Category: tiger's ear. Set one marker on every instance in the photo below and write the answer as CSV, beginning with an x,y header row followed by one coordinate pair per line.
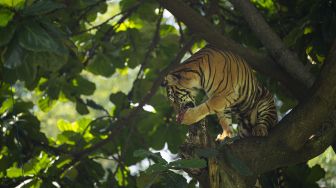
x,y
171,79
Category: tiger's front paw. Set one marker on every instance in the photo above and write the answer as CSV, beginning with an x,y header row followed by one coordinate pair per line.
x,y
259,130
186,117
225,134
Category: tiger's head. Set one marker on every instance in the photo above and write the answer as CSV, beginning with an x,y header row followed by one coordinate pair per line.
x,y
182,86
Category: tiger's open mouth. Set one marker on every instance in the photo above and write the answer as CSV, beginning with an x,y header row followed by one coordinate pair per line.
x,y
179,104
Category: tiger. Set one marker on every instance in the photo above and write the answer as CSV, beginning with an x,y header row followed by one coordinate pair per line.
x,y
231,87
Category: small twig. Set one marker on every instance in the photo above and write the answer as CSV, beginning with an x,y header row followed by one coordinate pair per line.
x,y
101,24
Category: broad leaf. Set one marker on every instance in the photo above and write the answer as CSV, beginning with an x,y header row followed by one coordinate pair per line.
x,y
5,16
46,60
12,3
45,103
42,7
141,153
27,72
35,38
157,168
13,56
83,86
81,108
188,163
6,34
101,65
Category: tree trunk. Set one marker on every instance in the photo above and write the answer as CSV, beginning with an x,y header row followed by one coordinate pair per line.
x,y
218,174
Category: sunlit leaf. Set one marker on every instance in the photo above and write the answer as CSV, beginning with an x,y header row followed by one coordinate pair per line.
x,y
6,105
12,3
5,16
45,103
14,172
66,126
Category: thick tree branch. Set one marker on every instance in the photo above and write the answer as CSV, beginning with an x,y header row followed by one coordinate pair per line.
x,y
273,43
206,30
323,102
292,135
261,62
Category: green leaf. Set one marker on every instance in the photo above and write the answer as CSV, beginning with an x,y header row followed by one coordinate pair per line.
x,y
100,126
83,86
117,98
12,3
5,16
14,172
42,7
27,72
81,108
141,153
6,105
120,101
171,179
188,163
316,173
146,180
101,65
33,37
6,34
70,138
66,126
46,60
157,168
45,103
13,56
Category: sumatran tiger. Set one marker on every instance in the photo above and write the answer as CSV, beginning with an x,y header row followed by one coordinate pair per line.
x,y
231,88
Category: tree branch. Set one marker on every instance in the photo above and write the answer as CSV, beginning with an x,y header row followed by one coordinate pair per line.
x,y
292,135
309,122
261,62
273,43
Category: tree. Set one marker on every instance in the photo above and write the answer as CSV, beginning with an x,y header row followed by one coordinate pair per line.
x,y
54,50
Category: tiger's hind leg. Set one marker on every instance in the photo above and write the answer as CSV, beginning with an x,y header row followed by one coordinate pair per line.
x,y
225,120
266,117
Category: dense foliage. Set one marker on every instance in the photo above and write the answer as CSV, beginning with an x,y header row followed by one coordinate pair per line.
x,y
54,54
